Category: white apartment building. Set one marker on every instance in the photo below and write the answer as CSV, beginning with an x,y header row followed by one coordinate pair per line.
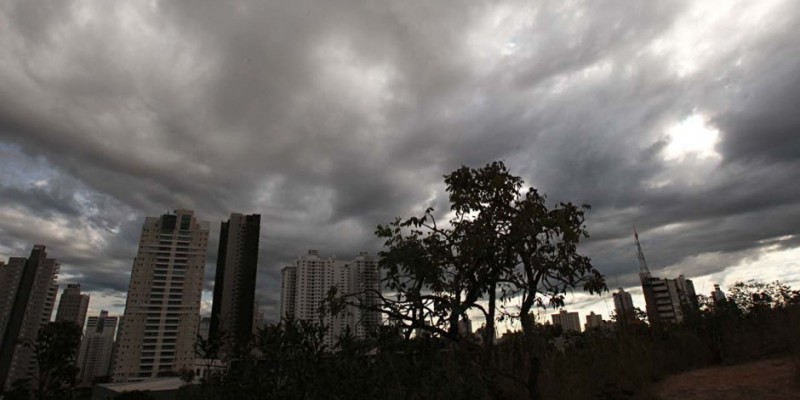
x,y
162,311
94,357
569,321
307,283
593,321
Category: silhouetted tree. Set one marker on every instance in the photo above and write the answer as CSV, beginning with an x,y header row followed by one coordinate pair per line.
x,y
501,238
755,296
208,350
55,351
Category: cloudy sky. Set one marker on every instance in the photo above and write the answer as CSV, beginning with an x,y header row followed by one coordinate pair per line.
x,y
331,117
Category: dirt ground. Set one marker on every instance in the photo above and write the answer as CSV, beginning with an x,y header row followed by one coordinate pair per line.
x,y
762,380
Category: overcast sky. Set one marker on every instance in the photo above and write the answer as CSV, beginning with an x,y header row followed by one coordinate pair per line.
x,y
331,117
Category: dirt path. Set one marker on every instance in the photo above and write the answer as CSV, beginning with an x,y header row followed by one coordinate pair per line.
x,y
762,380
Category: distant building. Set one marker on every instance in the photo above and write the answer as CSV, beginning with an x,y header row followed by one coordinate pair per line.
x,y
94,357
204,327
569,321
73,305
27,295
162,312
594,321
717,295
623,306
258,318
306,284
288,291
235,280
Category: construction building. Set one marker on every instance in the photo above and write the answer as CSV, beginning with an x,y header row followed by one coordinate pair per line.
x,y
667,300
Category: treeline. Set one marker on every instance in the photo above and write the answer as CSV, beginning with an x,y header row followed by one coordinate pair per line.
x,y
289,360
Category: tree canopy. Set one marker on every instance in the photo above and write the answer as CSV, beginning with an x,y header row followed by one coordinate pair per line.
x,y
502,243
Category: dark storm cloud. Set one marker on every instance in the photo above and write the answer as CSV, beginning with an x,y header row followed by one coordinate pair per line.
x,y
49,199
329,118
764,126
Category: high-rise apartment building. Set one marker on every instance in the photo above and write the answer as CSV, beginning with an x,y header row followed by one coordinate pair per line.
x,y
593,321
94,357
288,291
27,294
569,321
623,306
73,305
235,280
162,311
306,284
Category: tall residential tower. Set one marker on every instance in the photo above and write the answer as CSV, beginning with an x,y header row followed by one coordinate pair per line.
x,y
94,357
235,280
27,294
623,307
157,331
73,305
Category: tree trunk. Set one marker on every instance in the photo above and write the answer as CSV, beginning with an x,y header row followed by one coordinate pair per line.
x,y
533,375
490,329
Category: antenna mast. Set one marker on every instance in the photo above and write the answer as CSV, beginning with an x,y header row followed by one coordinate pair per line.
x,y
644,271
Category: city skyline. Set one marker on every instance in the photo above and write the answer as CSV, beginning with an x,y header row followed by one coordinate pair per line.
x,y
677,118
605,305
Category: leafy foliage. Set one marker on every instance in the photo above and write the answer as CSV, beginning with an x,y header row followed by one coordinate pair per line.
x,y
501,239
755,296
55,351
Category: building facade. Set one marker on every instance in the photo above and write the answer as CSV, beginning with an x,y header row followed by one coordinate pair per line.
x,y
623,306
594,321
73,305
307,283
162,311
204,327
569,321
28,291
235,280
288,291
668,299
258,318
94,357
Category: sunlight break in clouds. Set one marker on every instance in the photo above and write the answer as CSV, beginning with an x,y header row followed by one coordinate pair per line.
x,y
691,136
